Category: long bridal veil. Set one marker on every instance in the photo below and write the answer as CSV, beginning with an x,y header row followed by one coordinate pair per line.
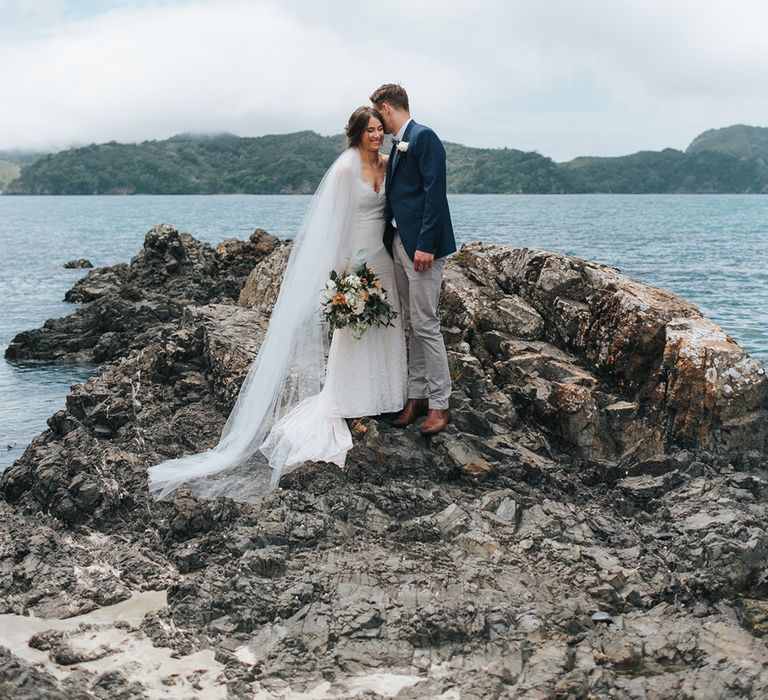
x,y
289,367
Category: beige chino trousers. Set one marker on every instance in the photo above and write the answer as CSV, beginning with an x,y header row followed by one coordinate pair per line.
x,y
428,374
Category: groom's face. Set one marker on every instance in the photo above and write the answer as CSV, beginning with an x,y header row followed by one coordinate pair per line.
x,y
386,114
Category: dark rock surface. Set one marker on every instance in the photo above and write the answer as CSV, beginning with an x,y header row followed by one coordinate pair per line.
x,y
126,307
608,455
78,263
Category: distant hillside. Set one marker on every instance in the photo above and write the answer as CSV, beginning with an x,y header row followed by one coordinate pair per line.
x,y
287,163
666,172
8,172
501,171
716,161
740,140
21,156
11,161
186,164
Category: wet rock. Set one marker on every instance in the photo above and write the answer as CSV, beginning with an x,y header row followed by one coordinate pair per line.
x,y
79,263
62,652
643,489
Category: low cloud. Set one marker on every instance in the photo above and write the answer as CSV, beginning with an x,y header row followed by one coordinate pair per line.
x,y
563,78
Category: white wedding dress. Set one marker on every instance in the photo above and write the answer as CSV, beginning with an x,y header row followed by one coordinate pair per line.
x,y
365,376
298,391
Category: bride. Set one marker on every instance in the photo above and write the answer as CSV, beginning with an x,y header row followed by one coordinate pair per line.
x,y
292,404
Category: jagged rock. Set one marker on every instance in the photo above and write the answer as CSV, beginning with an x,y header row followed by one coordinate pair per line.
x,y
19,679
97,283
128,306
79,263
263,283
686,381
596,462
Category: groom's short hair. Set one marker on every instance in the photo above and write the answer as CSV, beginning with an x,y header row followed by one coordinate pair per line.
x,y
393,94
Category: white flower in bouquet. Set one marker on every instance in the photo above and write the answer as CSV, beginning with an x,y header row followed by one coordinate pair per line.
x,y
356,301
329,291
358,306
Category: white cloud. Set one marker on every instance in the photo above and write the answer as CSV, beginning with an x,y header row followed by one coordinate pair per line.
x,y
565,78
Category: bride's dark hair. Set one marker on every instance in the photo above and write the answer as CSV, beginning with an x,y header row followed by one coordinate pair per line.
x,y
357,124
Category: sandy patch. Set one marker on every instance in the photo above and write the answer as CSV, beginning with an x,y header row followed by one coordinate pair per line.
x,y
129,651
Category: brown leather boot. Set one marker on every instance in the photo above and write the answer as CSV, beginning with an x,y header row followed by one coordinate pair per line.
x,y
412,410
437,419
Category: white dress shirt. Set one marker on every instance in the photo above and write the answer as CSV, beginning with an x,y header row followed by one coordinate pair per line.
x,y
399,135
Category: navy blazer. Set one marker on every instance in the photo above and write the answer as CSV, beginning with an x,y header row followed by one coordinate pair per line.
x,y
416,195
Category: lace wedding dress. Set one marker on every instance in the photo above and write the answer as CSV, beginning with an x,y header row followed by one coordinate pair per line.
x,y
364,377
298,391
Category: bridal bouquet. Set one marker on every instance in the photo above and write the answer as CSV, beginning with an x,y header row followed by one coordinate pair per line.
x,y
356,301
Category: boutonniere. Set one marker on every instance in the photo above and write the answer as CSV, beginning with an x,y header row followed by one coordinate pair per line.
x,y
402,148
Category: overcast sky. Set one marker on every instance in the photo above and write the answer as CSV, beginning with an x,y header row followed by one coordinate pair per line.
x,y
562,77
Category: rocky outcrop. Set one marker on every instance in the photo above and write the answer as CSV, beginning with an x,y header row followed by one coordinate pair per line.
x,y
78,263
125,307
591,524
619,369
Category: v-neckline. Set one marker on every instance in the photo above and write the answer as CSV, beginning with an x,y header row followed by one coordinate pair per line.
x,y
371,187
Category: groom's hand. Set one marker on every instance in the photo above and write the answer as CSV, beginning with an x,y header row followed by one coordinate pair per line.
x,y
422,261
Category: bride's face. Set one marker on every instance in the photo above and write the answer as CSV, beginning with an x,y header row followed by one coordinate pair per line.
x,y
373,136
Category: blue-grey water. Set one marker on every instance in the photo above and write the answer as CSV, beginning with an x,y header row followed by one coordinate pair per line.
x,y
710,249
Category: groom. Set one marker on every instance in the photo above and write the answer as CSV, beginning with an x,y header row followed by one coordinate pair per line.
x,y
419,236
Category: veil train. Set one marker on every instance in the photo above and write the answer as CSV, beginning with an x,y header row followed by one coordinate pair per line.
x,y
289,368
